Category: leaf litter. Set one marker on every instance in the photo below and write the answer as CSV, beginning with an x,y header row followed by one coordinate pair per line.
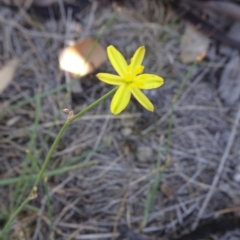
x,y
7,73
86,203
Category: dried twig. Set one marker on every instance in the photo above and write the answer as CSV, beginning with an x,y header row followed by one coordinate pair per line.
x,y
219,170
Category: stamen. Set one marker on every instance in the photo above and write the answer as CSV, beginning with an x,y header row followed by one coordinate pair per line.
x,y
138,70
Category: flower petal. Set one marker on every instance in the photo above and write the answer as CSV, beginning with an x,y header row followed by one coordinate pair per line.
x,y
120,99
148,81
142,99
137,58
110,78
117,60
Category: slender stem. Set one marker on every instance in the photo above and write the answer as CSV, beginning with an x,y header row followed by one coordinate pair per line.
x,y
49,155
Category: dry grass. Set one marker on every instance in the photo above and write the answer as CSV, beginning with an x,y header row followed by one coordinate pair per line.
x,y
107,199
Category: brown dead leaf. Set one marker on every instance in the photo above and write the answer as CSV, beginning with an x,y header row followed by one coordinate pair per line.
x,y
193,46
83,57
7,73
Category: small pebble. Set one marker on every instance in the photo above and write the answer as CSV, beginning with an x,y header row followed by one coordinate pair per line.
x,y
144,154
126,131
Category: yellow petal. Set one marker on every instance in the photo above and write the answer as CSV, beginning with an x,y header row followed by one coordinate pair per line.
x,y
110,78
137,58
120,99
148,81
117,60
142,99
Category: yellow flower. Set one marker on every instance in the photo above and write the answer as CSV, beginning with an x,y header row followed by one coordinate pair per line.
x,y
129,79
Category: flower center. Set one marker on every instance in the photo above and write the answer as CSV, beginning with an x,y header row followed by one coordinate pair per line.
x,y
128,77
132,73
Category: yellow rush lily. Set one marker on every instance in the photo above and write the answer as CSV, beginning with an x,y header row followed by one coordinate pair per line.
x,y
129,79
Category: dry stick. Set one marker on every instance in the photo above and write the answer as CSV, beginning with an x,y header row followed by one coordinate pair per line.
x,y
62,11
219,170
226,210
119,214
178,100
88,27
99,138
43,203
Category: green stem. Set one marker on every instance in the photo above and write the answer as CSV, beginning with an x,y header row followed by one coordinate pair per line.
x,y
48,157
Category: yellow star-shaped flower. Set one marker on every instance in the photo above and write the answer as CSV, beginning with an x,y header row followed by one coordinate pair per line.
x,y
129,79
